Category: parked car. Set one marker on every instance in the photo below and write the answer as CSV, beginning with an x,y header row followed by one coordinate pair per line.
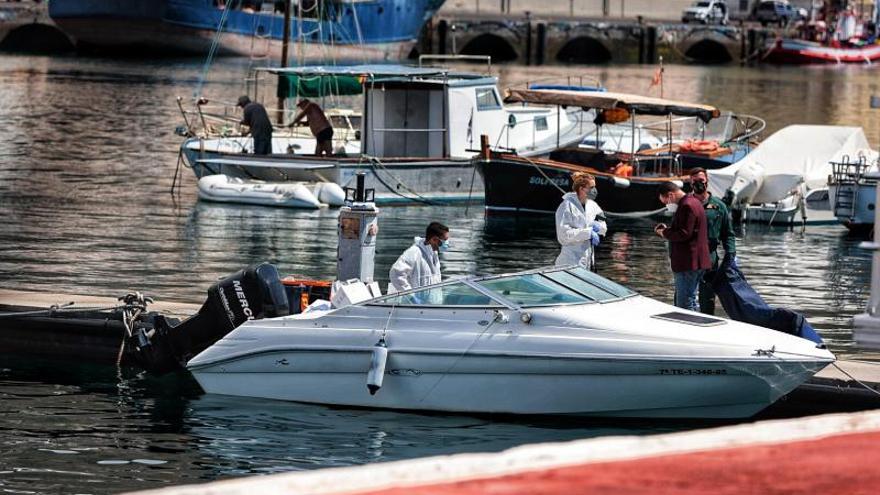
x,y
776,12
706,12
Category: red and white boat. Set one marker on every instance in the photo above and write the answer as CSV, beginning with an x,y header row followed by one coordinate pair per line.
x,y
799,52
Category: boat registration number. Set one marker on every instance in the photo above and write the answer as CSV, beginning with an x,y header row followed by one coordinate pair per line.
x,y
692,371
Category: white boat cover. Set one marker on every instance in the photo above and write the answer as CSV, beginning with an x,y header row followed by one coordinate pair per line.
x,y
793,154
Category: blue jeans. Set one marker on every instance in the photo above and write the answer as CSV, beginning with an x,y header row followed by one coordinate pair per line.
x,y
686,285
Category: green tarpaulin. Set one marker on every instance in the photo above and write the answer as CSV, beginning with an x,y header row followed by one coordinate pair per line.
x,y
294,86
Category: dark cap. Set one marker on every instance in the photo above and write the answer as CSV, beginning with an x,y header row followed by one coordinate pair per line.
x,y
243,100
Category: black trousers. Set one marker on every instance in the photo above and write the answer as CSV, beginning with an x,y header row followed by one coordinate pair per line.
x,y
707,294
263,145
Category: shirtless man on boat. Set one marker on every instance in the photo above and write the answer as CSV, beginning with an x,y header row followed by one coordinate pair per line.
x,y
318,124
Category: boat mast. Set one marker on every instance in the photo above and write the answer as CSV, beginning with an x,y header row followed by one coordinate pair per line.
x,y
284,46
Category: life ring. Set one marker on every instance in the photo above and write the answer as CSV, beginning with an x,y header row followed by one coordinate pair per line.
x,y
699,145
623,169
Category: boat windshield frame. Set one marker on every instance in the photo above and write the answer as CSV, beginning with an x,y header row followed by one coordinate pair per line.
x,y
475,283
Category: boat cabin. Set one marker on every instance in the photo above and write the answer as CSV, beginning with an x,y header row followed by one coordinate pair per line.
x,y
429,112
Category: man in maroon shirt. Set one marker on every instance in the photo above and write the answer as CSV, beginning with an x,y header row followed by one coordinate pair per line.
x,y
688,243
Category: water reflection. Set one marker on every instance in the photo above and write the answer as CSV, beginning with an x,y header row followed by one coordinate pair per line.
x,y
79,428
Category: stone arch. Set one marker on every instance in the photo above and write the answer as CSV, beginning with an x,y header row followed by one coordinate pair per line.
x,y
36,38
584,50
490,44
709,51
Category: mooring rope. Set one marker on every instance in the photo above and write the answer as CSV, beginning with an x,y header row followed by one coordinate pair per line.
x,y
866,386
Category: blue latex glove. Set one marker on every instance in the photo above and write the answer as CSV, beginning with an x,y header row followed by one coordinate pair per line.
x,y
594,238
596,227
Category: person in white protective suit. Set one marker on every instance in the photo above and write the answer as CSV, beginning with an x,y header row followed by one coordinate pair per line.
x,y
579,223
419,265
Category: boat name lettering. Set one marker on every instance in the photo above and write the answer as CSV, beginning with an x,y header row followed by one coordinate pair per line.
x,y
543,181
692,371
242,299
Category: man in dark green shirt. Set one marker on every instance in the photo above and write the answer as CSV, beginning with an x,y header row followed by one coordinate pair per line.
x,y
719,229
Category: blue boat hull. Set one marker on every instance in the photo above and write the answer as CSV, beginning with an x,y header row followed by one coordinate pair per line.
x,y
380,29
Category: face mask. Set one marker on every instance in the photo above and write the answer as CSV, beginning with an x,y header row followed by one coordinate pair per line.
x,y
593,194
671,208
444,245
699,187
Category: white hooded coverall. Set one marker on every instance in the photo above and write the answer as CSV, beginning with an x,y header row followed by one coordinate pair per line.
x,y
574,227
418,266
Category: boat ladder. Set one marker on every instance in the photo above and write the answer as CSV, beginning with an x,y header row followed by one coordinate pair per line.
x,y
846,176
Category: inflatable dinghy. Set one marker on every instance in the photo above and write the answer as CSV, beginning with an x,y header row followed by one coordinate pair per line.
x,y
225,189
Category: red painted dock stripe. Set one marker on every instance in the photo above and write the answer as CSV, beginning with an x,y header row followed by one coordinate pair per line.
x,y
841,464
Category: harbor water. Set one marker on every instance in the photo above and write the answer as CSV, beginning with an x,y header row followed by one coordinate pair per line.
x,y
87,157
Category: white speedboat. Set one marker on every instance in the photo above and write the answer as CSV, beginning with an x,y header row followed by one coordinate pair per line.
x,y
551,341
225,189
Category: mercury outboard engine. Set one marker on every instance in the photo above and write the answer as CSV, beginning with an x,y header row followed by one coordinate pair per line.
x,y
251,294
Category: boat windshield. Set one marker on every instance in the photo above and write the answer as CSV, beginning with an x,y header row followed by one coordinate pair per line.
x,y
553,287
454,294
533,289
614,288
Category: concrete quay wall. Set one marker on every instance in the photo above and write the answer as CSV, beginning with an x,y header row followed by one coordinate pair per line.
x,y
538,40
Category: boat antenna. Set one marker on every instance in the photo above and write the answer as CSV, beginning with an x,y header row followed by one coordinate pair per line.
x,y
284,57
213,51
357,27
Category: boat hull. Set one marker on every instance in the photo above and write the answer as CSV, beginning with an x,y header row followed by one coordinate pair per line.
x,y
510,384
540,184
396,181
815,210
160,37
796,52
861,221
380,30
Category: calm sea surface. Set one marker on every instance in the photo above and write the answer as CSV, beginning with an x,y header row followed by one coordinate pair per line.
x,y
87,156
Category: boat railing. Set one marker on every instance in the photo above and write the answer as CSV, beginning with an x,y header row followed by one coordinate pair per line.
x,y
223,120
849,172
459,58
729,129
583,81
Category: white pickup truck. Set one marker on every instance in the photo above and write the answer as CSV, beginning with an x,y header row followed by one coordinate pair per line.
x,y
706,12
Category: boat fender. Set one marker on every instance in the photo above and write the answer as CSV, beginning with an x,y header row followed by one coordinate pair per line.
x,y
621,182
330,193
377,367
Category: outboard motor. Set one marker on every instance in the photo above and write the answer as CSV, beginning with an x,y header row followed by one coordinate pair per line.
x,y
251,294
746,183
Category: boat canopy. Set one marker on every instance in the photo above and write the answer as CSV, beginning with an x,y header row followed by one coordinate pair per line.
x,y
375,71
546,287
644,105
322,80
